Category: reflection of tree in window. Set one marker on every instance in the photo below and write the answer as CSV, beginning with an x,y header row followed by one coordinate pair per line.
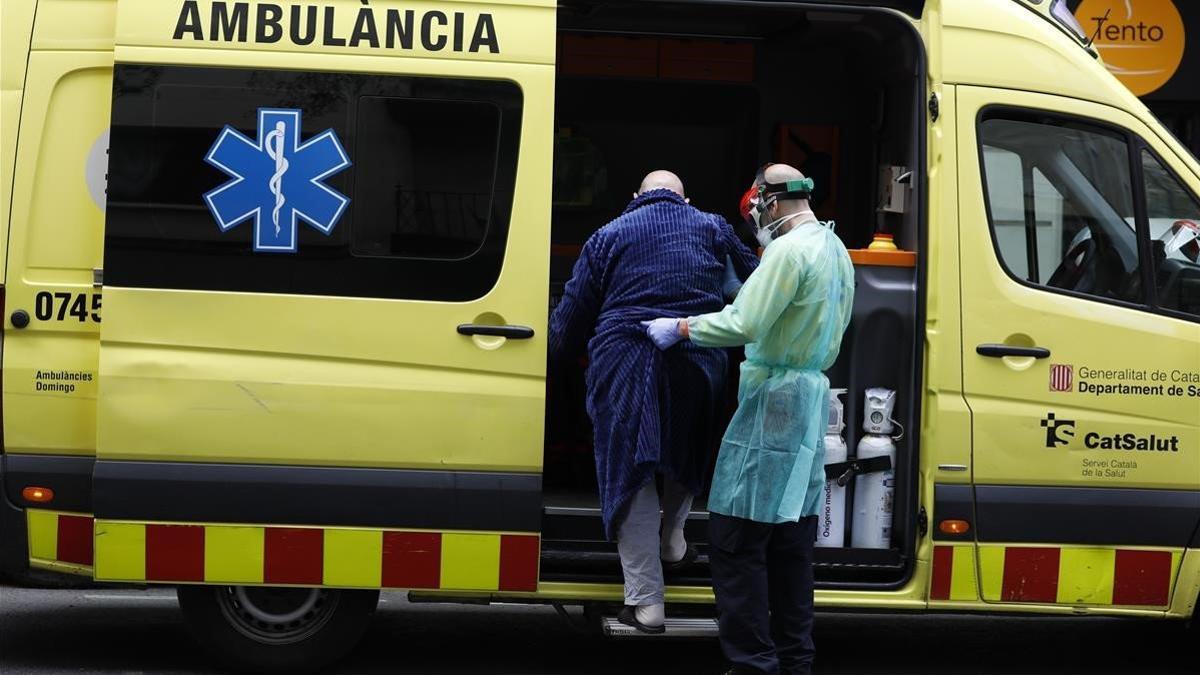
x,y
1174,228
314,93
1104,160
424,184
1165,197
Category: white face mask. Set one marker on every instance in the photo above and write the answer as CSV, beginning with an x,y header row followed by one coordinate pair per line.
x,y
766,234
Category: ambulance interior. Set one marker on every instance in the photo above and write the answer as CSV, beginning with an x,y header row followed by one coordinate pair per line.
x,y
712,93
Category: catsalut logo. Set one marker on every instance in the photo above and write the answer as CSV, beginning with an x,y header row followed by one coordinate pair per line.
x,y
1058,431
1061,432
1141,41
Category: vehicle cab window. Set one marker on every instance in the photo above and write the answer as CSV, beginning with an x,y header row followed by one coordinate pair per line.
x,y
1060,196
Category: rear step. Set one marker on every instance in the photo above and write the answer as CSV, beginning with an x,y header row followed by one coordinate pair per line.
x,y
677,627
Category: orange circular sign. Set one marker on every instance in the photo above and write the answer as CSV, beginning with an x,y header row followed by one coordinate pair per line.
x,y
1141,41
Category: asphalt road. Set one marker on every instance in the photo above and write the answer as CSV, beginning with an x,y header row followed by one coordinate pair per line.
x,y
140,631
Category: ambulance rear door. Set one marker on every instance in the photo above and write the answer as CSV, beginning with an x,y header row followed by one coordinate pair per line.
x,y
1081,338
326,289
55,131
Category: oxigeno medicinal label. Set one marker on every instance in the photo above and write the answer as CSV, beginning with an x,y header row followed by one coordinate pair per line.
x,y
277,180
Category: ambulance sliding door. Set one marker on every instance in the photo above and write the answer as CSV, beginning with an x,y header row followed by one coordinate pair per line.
x,y
326,279
1081,336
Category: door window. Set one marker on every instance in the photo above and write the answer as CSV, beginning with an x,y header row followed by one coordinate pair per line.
x,y
1060,196
426,168
1174,219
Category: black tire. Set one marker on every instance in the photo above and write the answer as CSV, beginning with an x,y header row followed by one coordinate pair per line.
x,y
268,629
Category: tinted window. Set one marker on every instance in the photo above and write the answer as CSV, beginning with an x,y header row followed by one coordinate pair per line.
x,y
1061,204
429,182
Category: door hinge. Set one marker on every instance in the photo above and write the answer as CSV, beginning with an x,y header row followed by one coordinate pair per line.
x,y
922,522
934,107
97,277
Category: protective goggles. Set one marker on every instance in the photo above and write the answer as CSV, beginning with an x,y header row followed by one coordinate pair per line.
x,y
762,194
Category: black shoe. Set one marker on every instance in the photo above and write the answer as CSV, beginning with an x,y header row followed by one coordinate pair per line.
x,y
689,556
629,618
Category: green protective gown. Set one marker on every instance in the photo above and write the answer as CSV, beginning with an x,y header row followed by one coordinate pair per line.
x,y
791,315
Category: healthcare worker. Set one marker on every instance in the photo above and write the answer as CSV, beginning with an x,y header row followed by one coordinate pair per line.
x,y
791,314
651,412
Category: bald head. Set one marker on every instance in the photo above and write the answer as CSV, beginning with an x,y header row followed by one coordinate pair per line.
x,y
661,180
780,173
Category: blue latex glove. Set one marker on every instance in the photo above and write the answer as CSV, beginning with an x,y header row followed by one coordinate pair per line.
x,y
730,284
664,332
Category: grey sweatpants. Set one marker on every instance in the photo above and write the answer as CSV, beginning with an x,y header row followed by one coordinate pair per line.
x,y
638,539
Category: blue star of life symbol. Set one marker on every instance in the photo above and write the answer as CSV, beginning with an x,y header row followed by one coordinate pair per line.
x,y
276,180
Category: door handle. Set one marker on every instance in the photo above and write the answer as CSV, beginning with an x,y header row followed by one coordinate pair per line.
x,y
510,332
998,351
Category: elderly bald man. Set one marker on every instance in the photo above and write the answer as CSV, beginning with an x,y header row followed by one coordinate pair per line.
x,y
661,179
652,411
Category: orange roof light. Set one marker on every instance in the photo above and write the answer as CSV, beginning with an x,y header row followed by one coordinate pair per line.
x,y
38,495
954,527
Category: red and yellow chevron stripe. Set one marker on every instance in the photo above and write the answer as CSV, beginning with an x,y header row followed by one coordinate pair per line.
x,y
60,541
308,556
316,556
1054,575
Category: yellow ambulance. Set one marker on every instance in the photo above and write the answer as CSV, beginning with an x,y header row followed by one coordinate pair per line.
x,y
276,279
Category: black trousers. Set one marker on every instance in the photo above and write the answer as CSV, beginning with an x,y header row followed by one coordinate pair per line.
x,y
763,578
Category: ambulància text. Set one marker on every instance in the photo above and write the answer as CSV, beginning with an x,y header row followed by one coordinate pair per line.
x,y
302,24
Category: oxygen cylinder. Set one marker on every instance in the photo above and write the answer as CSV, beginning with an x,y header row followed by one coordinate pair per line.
x,y
831,523
874,492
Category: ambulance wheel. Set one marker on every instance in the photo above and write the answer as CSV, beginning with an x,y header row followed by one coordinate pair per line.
x,y
266,629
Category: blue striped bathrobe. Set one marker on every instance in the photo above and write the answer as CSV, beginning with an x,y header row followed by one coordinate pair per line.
x,y
651,410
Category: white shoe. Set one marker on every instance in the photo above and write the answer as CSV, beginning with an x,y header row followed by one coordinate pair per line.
x,y
653,616
629,617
